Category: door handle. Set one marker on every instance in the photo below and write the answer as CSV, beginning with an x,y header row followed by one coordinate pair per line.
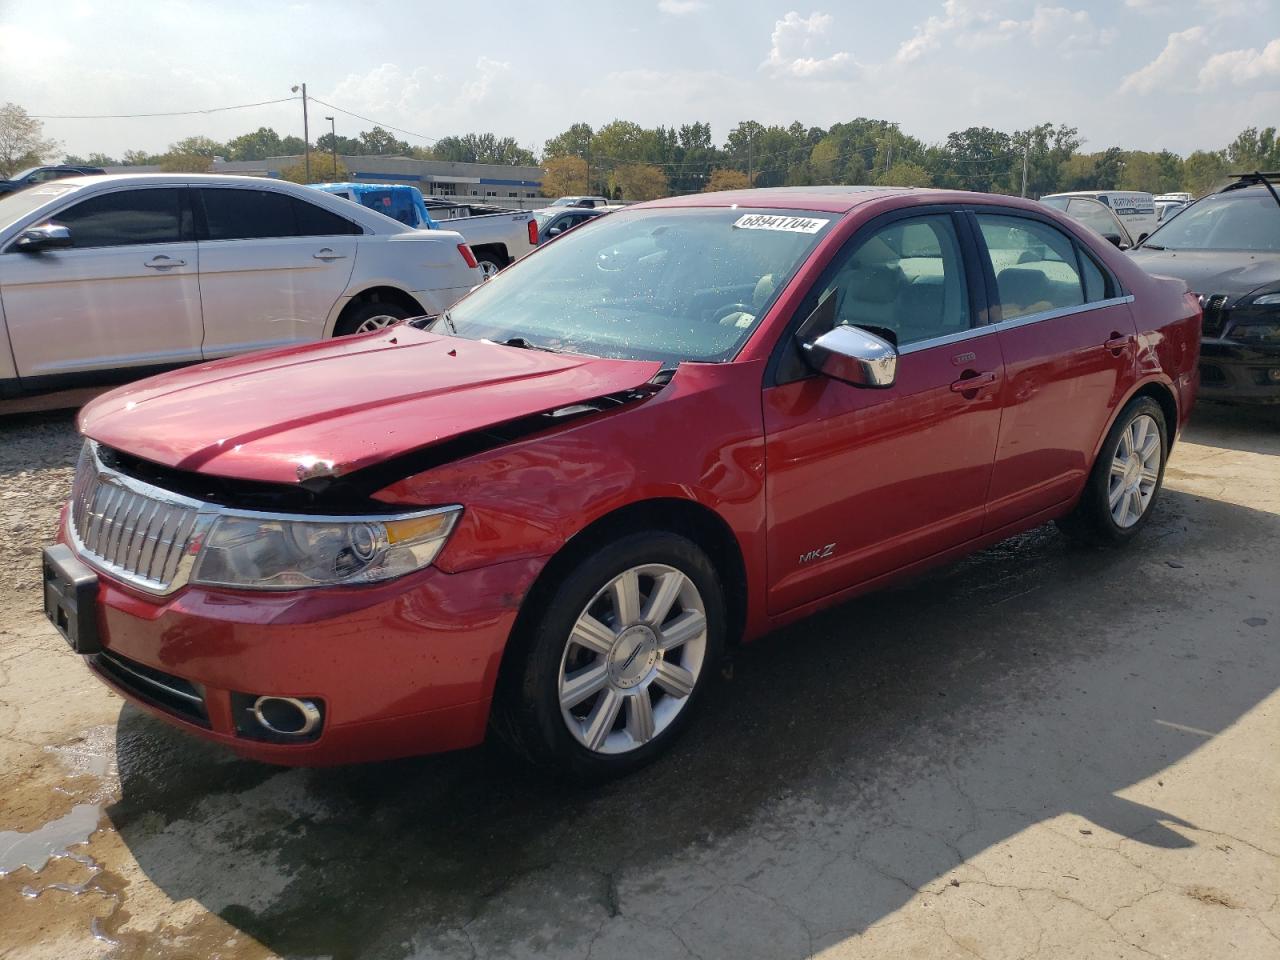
x,y
976,382
1117,342
327,254
162,262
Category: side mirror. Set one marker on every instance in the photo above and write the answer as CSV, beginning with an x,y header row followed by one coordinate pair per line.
x,y
853,355
555,231
1112,238
46,236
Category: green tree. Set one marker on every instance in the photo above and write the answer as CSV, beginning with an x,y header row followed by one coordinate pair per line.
x,y
382,142
262,143
482,148
639,181
905,175
92,160
22,140
1203,171
1254,149
824,160
347,146
139,158
726,180
978,158
179,161
199,147
323,170
575,141
564,176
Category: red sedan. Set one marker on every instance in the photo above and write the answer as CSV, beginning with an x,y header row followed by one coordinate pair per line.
x,y
549,510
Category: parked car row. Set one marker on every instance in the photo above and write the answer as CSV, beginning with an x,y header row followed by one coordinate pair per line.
x,y
108,278
1226,247
548,509
497,237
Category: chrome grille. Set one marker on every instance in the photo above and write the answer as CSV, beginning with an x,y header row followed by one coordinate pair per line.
x,y
1214,314
132,530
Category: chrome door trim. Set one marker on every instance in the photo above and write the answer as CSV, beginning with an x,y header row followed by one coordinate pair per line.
x,y
1031,318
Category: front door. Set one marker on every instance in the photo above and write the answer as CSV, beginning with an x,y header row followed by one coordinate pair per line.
x,y
863,481
271,268
125,294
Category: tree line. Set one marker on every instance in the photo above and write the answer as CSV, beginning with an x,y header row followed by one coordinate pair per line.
x,y
625,160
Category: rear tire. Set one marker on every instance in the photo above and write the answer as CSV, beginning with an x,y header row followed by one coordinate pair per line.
x,y
490,260
1126,479
370,316
616,658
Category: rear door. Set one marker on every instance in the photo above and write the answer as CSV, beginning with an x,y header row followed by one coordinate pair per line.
x,y
126,294
1069,344
271,267
861,482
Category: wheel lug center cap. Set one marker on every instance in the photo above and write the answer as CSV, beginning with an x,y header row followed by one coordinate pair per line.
x,y
633,655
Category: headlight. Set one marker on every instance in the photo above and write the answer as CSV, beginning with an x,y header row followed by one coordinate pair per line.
x,y
1256,332
267,552
1267,300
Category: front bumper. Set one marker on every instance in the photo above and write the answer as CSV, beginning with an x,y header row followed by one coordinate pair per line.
x,y
1240,373
402,668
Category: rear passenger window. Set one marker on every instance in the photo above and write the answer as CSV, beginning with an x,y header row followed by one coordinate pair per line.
x,y
1095,281
314,221
124,218
235,214
906,279
1034,264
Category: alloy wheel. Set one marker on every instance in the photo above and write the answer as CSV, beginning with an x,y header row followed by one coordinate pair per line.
x,y
1135,471
633,659
376,323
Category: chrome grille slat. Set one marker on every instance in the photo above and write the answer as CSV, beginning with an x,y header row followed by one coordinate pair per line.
x,y
130,529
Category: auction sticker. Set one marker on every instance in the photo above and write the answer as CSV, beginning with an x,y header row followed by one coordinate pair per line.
x,y
764,221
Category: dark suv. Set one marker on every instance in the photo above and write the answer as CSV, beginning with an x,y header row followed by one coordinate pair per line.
x,y
1226,246
33,175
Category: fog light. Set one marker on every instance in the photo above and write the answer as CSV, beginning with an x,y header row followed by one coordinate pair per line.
x,y
1274,375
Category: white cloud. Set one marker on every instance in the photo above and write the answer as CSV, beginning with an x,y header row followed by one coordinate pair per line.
x,y
1069,31
1173,66
796,40
680,8
1239,67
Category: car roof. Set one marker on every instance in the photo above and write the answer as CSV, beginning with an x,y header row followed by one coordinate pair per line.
x,y
196,178
827,199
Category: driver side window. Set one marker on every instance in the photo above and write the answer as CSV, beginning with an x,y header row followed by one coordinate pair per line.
x,y
906,279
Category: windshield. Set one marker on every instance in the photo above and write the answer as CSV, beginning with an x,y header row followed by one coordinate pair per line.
x,y
24,173
1058,203
1247,219
542,216
15,206
656,284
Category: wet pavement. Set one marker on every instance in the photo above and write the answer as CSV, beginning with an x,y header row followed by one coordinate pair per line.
x,y
1042,751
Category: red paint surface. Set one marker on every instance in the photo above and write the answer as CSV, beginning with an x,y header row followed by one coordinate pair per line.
x,y
894,480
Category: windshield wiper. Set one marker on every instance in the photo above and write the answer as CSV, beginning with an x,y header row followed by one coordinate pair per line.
x,y
525,344
1152,246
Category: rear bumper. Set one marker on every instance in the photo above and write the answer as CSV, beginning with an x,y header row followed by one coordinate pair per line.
x,y
1232,371
400,669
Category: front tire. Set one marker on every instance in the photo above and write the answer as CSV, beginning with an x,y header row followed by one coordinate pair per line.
x,y
370,316
618,656
1122,488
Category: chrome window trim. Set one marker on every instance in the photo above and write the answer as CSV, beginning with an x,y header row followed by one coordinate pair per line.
x,y
1029,319
206,515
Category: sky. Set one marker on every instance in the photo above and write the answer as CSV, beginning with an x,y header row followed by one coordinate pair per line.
x,y
1140,74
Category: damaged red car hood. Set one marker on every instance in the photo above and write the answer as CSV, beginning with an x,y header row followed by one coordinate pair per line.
x,y
335,407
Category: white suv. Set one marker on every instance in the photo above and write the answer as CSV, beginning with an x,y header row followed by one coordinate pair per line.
x,y
108,278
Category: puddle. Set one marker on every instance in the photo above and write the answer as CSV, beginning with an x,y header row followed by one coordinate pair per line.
x,y
34,850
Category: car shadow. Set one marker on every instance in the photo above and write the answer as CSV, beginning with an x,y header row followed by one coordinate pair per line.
x,y
913,728
1250,429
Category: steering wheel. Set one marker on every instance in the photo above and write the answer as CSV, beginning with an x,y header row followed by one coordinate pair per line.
x,y
724,310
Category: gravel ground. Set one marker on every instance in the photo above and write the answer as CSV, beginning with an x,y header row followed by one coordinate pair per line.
x,y
1039,753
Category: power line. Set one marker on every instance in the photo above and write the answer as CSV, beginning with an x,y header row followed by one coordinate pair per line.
x,y
376,123
171,113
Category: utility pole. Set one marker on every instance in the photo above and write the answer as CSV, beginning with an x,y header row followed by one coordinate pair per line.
x,y
588,152
750,180
1026,149
333,142
306,135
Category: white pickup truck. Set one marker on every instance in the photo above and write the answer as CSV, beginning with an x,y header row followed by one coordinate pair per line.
x,y
496,236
